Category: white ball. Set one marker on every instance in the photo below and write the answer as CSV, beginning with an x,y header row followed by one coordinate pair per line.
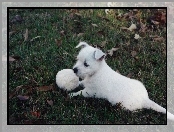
x,y
66,79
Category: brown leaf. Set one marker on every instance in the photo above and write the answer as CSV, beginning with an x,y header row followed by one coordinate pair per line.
x,y
158,39
45,88
129,75
12,32
94,25
36,113
138,15
103,43
163,17
110,52
153,36
104,18
128,43
71,15
23,97
80,34
11,59
50,102
18,18
164,52
155,22
128,15
26,35
62,32
143,27
136,57
101,33
12,94
58,42
133,53
16,57
78,14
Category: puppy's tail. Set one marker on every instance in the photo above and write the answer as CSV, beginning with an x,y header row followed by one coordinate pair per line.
x,y
149,104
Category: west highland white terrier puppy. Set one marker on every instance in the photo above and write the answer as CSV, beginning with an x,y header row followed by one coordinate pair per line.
x,y
101,81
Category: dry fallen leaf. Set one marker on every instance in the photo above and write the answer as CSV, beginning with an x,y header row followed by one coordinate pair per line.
x,y
133,53
11,59
132,27
23,97
78,14
129,15
35,38
103,43
58,42
62,32
45,88
101,33
158,39
80,34
12,94
50,102
130,75
16,19
26,35
107,11
143,27
153,36
155,22
14,58
12,32
36,113
137,36
94,25
163,17
110,52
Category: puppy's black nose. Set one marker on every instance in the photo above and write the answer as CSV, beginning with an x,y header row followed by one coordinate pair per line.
x,y
75,70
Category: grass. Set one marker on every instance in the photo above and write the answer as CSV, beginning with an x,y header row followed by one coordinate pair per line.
x,y
38,61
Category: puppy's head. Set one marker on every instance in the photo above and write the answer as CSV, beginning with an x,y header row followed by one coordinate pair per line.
x,y
89,60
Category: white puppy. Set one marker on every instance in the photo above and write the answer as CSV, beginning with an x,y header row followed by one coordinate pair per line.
x,y
103,82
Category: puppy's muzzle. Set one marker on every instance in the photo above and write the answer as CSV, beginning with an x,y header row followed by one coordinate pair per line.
x,y
75,70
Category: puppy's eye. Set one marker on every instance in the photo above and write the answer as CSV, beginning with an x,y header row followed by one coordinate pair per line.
x,y
85,64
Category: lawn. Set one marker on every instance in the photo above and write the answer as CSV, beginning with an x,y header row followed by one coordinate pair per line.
x,y
42,41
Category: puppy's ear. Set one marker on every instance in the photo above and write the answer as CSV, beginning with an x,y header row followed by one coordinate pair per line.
x,y
99,55
82,44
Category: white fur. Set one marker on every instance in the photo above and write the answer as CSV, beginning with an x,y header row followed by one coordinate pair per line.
x,y
103,82
67,80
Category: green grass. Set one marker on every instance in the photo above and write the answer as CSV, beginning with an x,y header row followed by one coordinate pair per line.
x,y
41,59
